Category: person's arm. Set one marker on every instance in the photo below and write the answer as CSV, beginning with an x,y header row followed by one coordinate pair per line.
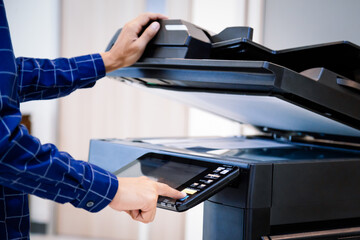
x,y
43,170
47,79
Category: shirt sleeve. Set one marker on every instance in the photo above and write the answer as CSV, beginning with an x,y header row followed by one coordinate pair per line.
x,y
47,79
27,165
42,170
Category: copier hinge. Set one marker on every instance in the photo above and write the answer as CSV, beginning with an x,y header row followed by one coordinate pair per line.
x,y
300,137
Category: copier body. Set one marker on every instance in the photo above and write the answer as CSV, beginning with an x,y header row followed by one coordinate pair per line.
x,y
300,178
282,187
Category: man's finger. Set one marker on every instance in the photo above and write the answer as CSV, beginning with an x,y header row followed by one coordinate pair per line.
x,y
135,214
148,34
165,190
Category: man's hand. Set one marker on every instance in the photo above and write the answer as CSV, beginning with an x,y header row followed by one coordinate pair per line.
x,y
138,197
129,46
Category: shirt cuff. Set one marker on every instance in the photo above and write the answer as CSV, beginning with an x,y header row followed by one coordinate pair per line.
x,y
91,68
102,190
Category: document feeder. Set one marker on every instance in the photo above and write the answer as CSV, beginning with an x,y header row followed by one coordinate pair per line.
x,y
299,178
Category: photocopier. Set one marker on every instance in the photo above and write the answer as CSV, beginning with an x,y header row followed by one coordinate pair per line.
x,y
298,178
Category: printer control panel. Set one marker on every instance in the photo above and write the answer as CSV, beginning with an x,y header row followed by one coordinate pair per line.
x,y
198,179
200,188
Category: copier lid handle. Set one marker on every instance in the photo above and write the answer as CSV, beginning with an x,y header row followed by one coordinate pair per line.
x,y
348,83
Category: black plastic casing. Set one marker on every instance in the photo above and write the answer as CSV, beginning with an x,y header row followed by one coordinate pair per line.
x,y
267,198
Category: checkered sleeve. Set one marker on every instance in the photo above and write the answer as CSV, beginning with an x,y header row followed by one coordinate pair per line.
x,y
47,79
42,170
27,165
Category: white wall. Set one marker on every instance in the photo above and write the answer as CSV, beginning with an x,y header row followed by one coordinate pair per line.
x,y
34,27
292,23
215,16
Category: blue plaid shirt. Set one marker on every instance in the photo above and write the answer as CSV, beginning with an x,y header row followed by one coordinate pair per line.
x,y
27,166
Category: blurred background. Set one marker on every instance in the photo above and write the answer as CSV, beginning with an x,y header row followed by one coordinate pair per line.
x,y
65,28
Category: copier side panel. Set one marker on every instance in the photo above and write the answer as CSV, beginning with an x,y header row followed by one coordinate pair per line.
x,y
315,191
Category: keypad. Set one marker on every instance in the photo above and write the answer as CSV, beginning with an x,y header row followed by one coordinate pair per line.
x,y
195,188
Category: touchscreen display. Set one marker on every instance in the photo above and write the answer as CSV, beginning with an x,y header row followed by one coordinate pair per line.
x,y
170,172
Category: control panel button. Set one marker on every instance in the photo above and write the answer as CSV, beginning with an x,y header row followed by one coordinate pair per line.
x,y
224,171
166,200
207,181
202,186
184,198
194,185
189,191
212,176
219,169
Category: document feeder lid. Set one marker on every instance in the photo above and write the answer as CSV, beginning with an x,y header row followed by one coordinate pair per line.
x,y
313,89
